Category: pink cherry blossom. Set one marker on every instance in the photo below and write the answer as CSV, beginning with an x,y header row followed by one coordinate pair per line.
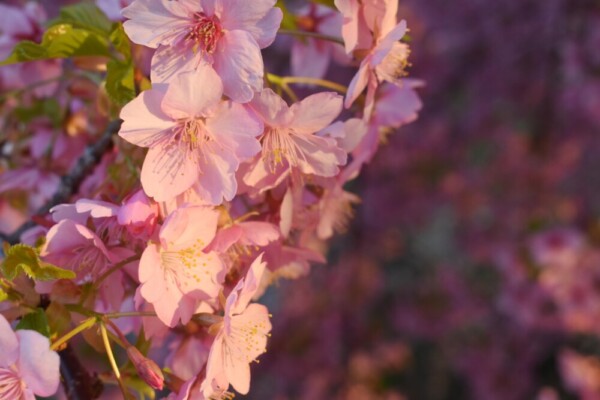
x,y
74,246
195,139
225,34
242,336
27,366
244,234
289,142
386,58
362,18
175,272
335,211
318,19
138,214
395,106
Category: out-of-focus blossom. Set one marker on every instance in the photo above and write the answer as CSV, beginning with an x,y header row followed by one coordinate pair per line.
x,y
27,367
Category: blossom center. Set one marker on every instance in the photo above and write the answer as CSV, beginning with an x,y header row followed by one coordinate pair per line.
x,y
192,134
88,260
186,268
11,386
279,146
393,66
204,32
245,339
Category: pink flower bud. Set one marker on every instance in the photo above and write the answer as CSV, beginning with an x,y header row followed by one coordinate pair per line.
x,y
146,368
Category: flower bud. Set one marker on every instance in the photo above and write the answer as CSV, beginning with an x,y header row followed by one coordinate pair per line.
x,y
146,368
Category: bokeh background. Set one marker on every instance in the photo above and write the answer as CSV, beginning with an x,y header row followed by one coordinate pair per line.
x,y
471,270
472,267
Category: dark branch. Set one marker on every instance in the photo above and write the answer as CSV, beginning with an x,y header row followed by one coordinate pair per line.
x,y
69,184
77,381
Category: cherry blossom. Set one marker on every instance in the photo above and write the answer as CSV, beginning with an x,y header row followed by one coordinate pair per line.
x,y
386,58
242,335
175,272
289,142
27,367
195,139
224,34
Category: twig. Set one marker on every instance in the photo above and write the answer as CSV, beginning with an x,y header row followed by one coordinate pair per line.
x,y
78,383
69,184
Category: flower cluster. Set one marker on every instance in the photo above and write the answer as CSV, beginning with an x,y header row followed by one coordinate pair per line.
x,y
242,182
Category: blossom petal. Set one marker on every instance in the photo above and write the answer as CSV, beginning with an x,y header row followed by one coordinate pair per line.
x,y
259,17
321,155
144,122
152,22
236,128
168,62
168,171
199,278
38,365
310,49
398,104
151,274
239,64
9,345
385,45
358,83
217,180
257,233
248,287
187,226
193,92
272,108
316,112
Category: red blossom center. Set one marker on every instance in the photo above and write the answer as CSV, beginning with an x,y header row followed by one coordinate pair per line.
x,y
205,32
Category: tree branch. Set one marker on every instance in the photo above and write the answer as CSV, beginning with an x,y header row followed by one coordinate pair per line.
x,y
69,184
79,384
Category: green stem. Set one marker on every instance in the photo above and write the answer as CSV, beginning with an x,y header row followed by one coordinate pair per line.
x,y
86,324
279,81
109,353
315,35
285,80
111,359
16,92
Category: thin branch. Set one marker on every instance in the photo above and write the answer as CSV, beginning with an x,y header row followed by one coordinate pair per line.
x,y
78,383
314,35
69,184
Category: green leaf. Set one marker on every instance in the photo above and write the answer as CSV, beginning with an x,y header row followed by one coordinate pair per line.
x,y
119,39
85,16
120,84
59,319
288,21
142,343
3,295
35,321
23,258
140,387
46,107
60,41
